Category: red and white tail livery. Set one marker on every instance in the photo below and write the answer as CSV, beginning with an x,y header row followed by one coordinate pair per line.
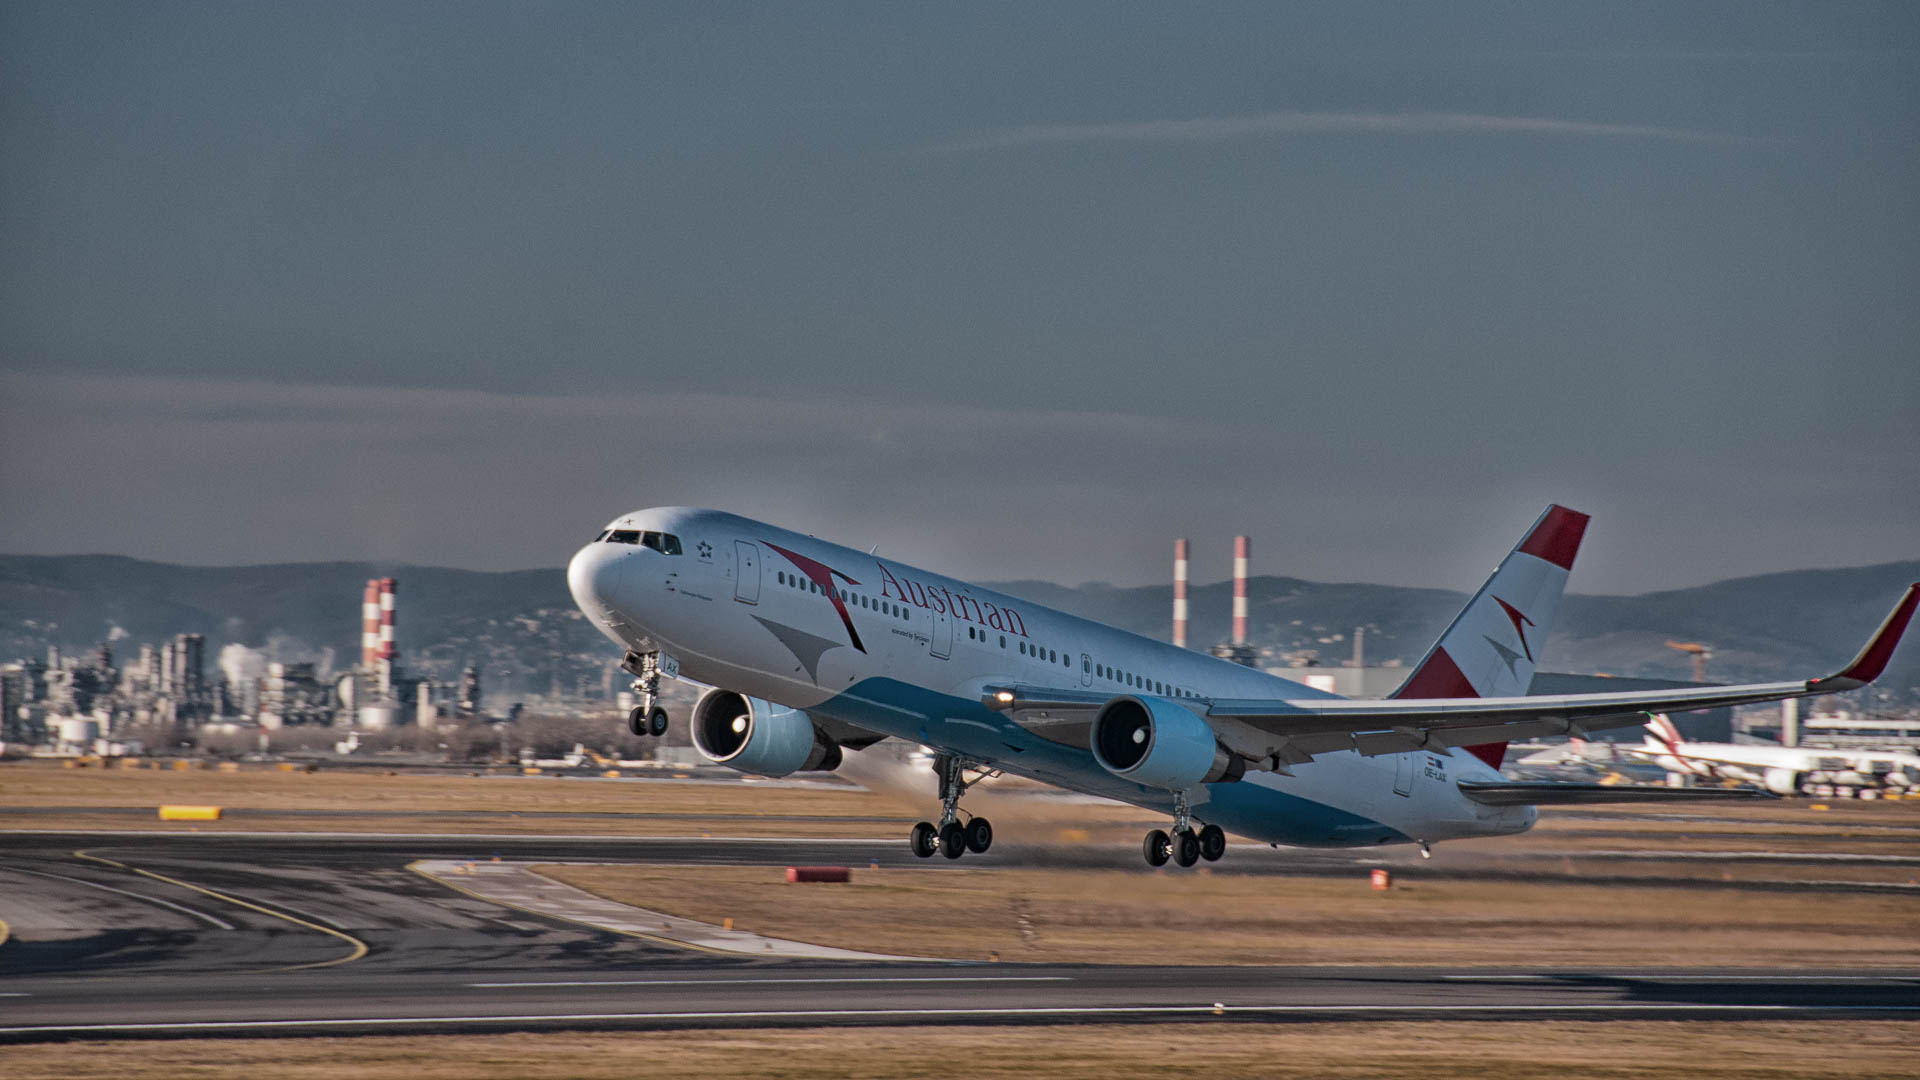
x,y
1493,646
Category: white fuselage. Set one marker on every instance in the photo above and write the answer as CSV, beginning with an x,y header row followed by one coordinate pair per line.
x,y
907,653
1785,769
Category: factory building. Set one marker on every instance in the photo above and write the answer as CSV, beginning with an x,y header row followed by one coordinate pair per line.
x,y
292,694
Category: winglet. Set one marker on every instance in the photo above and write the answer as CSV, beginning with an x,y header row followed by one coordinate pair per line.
x,y
1872,660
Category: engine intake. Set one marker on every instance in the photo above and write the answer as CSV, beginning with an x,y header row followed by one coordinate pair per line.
x,y
1159,743
759,737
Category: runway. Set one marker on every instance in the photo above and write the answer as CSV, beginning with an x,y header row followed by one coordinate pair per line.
x,y
156,935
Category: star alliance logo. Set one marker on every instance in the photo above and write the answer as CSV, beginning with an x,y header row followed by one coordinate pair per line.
x,y
705,549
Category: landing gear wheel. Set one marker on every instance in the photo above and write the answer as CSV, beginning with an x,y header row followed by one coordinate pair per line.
x,y
1155,848
925,840
1186,848
637,721
1213,843
953,840
657,722
979,834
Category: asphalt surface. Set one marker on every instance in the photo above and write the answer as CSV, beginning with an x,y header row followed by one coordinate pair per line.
x,y
153,935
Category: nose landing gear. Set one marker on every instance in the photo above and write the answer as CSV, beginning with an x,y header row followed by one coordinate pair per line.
x,y
646,718
951,837
1183,845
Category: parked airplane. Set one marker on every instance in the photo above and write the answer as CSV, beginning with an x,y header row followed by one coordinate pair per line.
x,y
1783,770
809,648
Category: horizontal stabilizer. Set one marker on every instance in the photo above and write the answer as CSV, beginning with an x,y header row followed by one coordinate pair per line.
x,y
1549,793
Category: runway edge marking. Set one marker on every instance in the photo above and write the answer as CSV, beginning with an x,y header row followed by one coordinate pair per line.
x,y
360,948
688,933
882,1015
416,867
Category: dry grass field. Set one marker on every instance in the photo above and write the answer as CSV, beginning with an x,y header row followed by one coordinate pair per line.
x,y
1536,1050
1114,916
433,802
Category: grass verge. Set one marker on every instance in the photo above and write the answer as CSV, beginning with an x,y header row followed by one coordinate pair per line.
x,y
1536,1050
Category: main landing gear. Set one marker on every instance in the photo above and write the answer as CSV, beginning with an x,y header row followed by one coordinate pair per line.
x,y
951,837
646,718
1185,846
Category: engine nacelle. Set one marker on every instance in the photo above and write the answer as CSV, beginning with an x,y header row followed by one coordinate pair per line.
x,y
1781,781
758,736
1158,743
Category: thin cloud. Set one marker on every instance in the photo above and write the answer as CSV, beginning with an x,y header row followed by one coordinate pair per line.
x,y
1280,124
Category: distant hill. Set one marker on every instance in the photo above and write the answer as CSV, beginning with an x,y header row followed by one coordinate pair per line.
x,y
523,628
521,625
1774,626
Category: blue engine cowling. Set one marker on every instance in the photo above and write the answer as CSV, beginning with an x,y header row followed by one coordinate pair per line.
x,y
759,737
1161,744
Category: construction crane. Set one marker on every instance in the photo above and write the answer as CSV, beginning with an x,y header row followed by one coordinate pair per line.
x,y
1701,654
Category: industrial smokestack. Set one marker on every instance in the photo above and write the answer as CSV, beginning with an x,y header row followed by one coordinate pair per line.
x,y
370,624
1180,593
1241,546
1359,646
385,650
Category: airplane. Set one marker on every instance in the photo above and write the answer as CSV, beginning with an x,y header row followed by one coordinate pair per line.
x,y
1783,770
808,649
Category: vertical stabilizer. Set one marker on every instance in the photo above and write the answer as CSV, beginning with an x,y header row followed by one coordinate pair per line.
x,y
1490,649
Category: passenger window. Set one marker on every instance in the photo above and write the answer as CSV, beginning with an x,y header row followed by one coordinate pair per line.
x,y
1003,641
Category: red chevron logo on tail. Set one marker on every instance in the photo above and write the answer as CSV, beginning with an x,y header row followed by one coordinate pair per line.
x,y
1514,616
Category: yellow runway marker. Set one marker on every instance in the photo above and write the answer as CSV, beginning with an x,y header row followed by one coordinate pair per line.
x,y
415,867
5,931
359,947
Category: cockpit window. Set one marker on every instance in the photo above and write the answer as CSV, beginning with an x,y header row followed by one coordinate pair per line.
x,y
624,536
664,543
602,536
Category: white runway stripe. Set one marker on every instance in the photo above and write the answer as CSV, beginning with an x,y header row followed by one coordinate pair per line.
x,y
821,979
904,1014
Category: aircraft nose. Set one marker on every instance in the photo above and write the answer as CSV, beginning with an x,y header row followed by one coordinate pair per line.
x,y
594,578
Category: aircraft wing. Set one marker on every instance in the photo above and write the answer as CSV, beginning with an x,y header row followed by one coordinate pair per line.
x,y
1294,730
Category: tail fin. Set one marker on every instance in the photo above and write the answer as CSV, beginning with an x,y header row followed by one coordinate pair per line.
x,y
1489,649
1662,735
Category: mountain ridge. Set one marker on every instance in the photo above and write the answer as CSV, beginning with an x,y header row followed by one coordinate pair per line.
x,y
521,624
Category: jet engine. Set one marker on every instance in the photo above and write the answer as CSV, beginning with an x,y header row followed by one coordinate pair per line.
x,y
759,737
1157,743
1781,781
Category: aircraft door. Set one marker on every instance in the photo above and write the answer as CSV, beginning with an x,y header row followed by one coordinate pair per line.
x,y
1403,768
746,578
941,647
1086,670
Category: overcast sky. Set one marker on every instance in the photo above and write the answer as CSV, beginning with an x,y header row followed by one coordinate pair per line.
x,y
1021,290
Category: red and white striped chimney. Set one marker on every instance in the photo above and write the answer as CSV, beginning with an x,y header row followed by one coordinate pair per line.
x,y
370,624
384,650
1180,593
1240,548
386,619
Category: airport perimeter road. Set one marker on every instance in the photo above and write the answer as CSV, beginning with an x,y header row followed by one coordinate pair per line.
x,y
157,935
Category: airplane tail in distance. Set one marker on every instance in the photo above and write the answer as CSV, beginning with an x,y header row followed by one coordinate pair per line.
x,y
1662,735
1491,648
